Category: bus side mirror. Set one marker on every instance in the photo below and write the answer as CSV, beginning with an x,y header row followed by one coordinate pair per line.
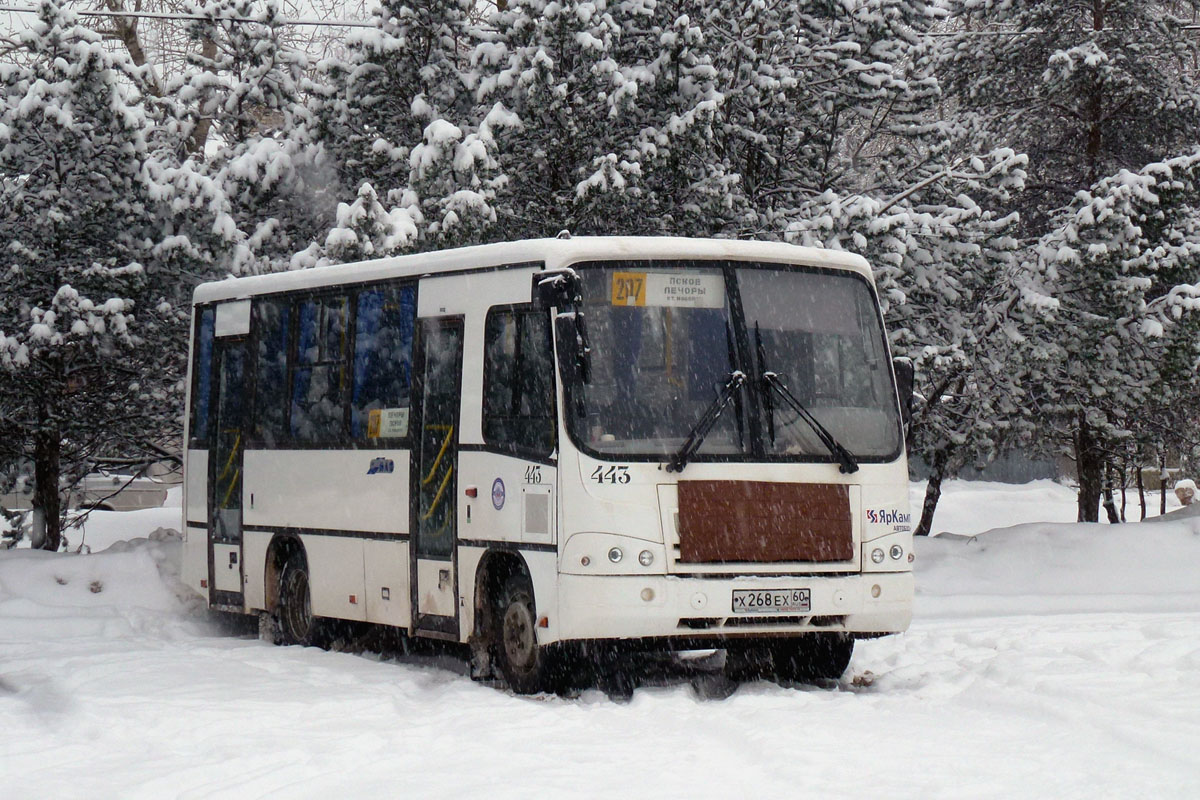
x,y
905,376
574,352
562,289
574,363
557,288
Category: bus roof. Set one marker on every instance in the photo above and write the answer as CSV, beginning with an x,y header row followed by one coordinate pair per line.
x,y
552,252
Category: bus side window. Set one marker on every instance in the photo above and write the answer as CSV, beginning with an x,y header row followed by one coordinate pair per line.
x,y
271,318
518,382
318,393
383,339
202,379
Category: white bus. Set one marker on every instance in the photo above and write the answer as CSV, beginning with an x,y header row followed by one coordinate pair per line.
x,y
542,447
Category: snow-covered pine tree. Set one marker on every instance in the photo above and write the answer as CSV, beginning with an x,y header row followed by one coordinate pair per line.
x,y
946,268
1170,420
822,96
1119,275
365,229
92,329
257,186
452,181
1086,90
397,114
613,106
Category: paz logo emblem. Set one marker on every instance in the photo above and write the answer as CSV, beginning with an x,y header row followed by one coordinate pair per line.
x,y
498,494
384,465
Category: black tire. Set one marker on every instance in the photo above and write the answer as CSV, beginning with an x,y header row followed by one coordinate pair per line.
x,y
295,621
749,663
813,657
526,665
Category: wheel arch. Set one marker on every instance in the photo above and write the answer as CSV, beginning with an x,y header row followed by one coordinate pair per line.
x,y
281,548
493,571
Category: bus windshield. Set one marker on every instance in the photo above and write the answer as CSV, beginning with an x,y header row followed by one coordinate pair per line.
x,y
666,337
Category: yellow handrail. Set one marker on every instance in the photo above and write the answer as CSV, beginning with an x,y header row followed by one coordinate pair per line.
x,y
437,498
237,443
232,455
232,485
445,444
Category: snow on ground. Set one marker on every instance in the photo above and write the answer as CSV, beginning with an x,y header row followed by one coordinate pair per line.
x,y
102,529
971,507
1046,660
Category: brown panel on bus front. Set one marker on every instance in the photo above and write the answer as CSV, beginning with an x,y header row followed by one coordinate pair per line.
x,y
724,521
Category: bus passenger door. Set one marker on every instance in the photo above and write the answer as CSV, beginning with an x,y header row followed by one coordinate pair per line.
x,y
225,474
438,390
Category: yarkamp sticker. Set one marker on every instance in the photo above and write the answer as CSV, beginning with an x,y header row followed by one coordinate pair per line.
x,y
900,521
381,466
498,494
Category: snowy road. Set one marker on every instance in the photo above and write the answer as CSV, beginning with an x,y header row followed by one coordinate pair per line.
x,y
1097,705
126,693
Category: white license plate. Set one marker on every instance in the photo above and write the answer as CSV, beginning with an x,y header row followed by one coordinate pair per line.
x,y
770,601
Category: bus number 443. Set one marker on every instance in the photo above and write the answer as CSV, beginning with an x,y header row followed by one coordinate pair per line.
x,y
611,475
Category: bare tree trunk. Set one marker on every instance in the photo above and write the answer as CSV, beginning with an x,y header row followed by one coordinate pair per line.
x,y
199,138
1089,462
125,29
1141,490
1124,491
1095,134
47,523
1162,483
1110,505
940,459
933,490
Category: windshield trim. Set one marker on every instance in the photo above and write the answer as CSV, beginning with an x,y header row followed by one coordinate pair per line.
x,y
755,452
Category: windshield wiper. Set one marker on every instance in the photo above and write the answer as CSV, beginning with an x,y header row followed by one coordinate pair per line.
x,y
768,403
703,425
772,381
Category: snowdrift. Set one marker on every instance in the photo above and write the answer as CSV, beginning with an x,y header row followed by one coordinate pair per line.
x,y
131,587
1041,568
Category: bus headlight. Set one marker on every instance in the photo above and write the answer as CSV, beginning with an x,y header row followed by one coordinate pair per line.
x,y
877,555
897,552
645,558
615,555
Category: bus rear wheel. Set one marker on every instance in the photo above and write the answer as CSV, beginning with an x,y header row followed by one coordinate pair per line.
x,y
296,623
813,657
525,664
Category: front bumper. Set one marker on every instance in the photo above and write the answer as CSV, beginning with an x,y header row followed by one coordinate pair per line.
x,y
694,608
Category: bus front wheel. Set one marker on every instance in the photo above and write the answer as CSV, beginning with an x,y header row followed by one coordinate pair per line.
x,y
296,624
814,657
526,665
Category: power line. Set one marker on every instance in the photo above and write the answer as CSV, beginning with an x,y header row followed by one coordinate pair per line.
x,y
353,23
332,23
1039,31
